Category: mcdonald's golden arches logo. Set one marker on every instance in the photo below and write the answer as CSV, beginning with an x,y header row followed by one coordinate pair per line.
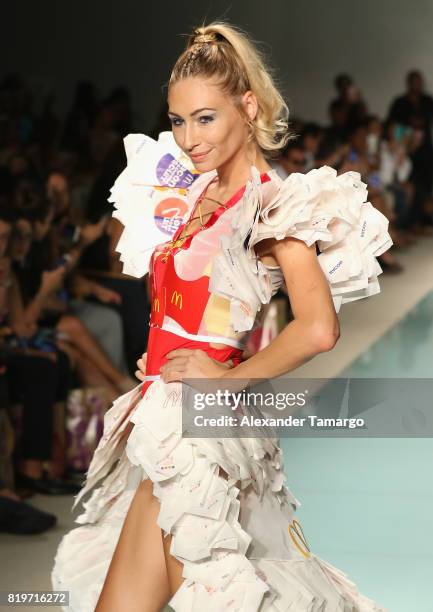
x,y
176,298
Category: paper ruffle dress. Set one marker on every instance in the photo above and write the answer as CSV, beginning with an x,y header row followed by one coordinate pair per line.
x,y
238,539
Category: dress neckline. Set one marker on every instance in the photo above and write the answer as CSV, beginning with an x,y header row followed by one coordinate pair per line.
x,y
234,199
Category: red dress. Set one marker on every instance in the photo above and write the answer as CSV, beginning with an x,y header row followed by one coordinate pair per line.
x,y
183,301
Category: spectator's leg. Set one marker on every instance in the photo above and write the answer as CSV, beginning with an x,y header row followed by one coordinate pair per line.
x,y
90,376
82,339
105,323
33,381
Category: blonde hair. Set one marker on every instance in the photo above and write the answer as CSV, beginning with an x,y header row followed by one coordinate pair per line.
x,y
222,51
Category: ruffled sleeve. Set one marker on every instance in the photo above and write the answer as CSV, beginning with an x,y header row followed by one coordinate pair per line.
x,y
150,197
318,207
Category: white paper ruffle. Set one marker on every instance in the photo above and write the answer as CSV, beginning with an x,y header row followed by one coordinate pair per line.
x,y
319,206
315,207
201,510
139,194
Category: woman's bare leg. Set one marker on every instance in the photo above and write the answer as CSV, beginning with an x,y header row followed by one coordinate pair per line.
x,y
88,373
137,579
143,575
71,352
87,344
90,376
174,567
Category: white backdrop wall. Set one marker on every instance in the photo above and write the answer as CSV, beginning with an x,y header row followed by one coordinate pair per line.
x,y
134,42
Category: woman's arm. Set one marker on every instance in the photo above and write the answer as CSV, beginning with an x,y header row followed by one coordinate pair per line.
x,y
84,287
81,286
18,322
89,233
52,281
315,327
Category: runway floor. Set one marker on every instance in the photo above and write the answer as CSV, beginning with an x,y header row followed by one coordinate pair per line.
x,y
366,503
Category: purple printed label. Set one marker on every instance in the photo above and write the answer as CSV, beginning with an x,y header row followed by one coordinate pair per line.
x,y
171,173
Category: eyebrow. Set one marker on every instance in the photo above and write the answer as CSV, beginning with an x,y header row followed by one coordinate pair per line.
x,y
199,110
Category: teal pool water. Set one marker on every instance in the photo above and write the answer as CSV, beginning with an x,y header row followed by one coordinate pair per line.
x,y
367,503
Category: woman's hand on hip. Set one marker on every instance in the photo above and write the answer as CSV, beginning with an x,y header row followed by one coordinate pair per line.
x,y
192,363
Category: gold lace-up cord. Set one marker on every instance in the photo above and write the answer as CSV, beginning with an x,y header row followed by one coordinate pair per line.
x,y
179,241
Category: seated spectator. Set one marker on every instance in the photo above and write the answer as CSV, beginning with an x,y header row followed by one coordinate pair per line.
x,y
414,110
395,170
39,292
292,159
333,146
311,138
88,300
359,160
393,166
37,377
100,262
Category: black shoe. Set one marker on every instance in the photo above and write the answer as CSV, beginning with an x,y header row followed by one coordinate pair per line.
x,y
21,518
47,486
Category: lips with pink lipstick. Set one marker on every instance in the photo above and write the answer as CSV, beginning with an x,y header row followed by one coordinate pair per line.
x,y
198,156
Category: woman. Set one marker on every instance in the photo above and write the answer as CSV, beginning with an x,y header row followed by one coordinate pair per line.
x,y
166,524
38,294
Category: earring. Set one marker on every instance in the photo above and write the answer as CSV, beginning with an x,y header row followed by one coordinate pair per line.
x,y
251,130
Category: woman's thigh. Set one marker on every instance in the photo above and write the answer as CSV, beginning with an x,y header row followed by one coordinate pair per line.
x,y
105,323
137,579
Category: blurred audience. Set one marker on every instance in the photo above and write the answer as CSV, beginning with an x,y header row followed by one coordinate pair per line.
x,y
69,317
60,328
412,114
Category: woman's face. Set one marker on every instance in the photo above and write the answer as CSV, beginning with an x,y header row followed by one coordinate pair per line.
x,y
206,123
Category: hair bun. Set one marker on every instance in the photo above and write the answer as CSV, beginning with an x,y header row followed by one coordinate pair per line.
x,y
204,38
